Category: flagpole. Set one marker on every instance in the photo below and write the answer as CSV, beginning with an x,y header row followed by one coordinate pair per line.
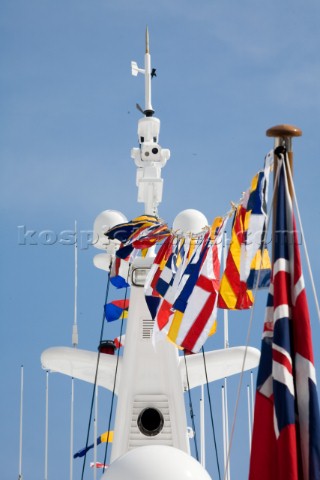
x,y
21,423
287,311
282,135
225,431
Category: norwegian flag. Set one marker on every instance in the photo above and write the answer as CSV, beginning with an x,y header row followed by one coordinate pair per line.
x,y
286,431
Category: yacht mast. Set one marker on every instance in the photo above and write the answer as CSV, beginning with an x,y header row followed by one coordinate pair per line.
x,y
150,157
150,407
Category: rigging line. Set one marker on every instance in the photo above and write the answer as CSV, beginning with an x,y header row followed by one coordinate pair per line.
x,y
115,377
250,327
304,241
95,378
191,409
211,412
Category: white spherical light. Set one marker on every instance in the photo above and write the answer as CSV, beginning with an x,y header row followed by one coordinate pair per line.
x,y
156,462
104,221
190,221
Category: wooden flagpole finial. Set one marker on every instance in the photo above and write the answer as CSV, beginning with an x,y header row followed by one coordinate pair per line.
x,y
284,131
283,135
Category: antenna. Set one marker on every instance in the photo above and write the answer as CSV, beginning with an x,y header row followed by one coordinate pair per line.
x,y
46,429
75,337
21,423
148,73
150,157
147,40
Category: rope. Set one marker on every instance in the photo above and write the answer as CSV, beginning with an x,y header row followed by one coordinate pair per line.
x,y
115,380
211,413
191,409
95,379
248,336
304,241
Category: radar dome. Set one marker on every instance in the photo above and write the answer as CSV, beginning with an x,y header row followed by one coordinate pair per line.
x,y
190,221
156,462
104,221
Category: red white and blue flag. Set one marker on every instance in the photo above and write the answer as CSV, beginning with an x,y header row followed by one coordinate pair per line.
x,y
286,431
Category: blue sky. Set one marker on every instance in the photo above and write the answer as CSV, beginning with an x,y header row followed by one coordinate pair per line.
x,y
227,71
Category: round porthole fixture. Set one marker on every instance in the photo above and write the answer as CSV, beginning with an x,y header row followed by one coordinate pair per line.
x,y
150,421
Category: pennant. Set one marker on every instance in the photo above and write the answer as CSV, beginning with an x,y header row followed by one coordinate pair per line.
x,y
190,274
167,285
286,431
260,271
119,341
191,327
124,231
233,293
152,297
105,437
119,273
116,309
150,236
257,215
98,465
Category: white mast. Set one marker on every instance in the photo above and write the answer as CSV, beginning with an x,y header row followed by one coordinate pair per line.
x,y
75,339
150,407
149,157
46,429
71,428
225,389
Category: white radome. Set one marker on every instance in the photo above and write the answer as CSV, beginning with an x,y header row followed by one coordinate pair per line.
x,y
104,221
156,462
190,221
